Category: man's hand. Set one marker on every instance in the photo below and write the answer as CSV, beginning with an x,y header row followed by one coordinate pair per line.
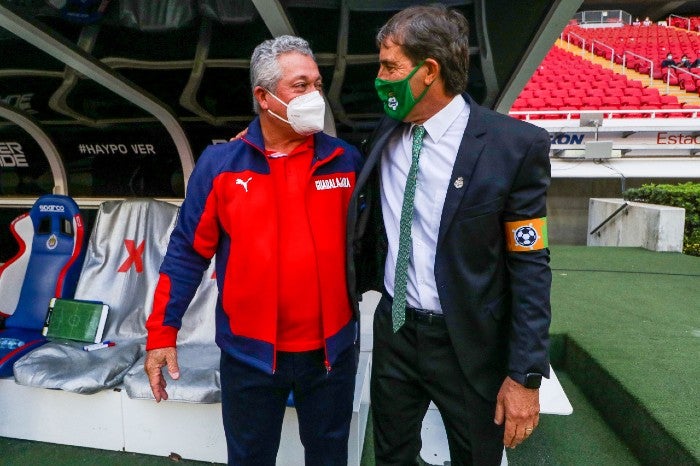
x,y
520,408
155,360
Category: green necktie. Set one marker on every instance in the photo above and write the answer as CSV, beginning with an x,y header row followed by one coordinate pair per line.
x,y
398,307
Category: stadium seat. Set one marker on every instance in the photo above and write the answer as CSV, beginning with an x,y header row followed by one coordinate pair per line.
x,y
554,102
614,92
573,102
668,99
197,353
687,82
651,99
123,256
592,102
616,84
126,249
630,101
51,240
520,103
610,102
535,103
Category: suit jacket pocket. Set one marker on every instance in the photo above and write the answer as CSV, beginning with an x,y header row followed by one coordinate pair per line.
x,y
484,208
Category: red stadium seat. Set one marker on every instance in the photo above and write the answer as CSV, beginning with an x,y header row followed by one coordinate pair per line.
x,y
611,102
631,101
651,100
590,101
575,102
519,104
670,115
689,85
554,102
614,92
668,99
535,103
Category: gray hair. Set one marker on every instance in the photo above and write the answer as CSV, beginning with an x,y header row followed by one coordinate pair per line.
x,y
432,32
264,67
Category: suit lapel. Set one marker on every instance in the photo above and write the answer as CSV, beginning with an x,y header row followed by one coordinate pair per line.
x,y
470,150
383,132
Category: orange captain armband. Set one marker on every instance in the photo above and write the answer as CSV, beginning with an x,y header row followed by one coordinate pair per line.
x,y
526,235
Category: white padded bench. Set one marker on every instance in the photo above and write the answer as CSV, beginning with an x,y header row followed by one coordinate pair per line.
x,y
126,417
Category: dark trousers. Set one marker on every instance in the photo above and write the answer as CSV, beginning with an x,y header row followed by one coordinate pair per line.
x,y
253,405
409,369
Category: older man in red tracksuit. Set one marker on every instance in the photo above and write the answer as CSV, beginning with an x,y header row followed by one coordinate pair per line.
x,y
272,208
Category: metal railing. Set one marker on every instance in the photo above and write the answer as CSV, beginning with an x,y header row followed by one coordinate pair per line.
x,y
603,16
612,51
651,62
582,39
687,20
610,217
609,113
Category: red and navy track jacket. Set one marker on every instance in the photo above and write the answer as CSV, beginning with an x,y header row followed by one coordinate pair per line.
x,y
229,210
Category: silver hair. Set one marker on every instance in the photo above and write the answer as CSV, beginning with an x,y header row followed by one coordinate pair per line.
x,y
264,67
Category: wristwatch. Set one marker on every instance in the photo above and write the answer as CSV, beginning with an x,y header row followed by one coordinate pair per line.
x,y
533,380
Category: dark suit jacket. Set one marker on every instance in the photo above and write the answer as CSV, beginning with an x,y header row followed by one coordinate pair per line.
x,y
496,303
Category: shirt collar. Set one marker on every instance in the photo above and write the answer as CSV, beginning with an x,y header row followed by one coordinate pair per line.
x,y
437,125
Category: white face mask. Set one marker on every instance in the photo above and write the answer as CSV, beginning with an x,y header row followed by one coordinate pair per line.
x,y
306,113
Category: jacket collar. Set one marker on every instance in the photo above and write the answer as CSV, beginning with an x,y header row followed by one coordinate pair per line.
x,y
324,145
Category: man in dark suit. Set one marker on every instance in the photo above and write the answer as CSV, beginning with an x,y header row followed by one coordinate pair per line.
x,y
451,203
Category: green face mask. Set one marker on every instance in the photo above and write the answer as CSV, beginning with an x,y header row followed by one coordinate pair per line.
x,y
397,96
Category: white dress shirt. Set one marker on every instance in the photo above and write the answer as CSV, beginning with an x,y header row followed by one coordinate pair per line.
x,y
444,132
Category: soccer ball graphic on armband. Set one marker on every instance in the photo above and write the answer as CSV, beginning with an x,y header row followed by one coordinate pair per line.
x,y
525,236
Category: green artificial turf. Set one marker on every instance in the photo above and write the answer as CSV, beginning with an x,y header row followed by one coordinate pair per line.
x,y
636,314
582,438
15,452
